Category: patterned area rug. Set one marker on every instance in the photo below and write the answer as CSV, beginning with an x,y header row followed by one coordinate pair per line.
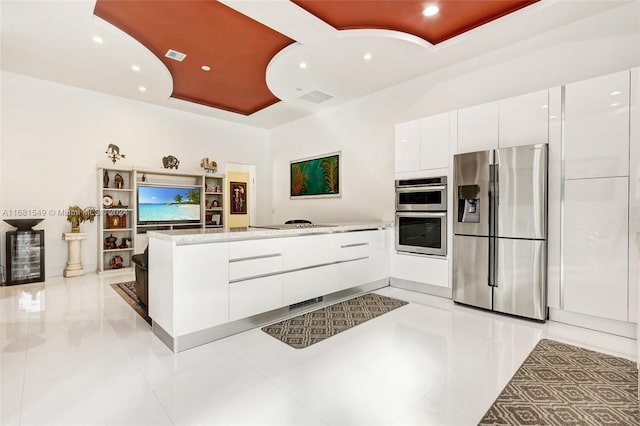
x,y
313,327
560,384
127,291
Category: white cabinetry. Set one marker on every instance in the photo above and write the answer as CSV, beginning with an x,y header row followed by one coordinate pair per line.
x,y
478,127
596,247
368,257
634,199
407,146
202,299
434,141
420,269
524,120
116,198
597,127
306,284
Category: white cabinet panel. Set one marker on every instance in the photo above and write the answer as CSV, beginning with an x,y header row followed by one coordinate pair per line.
x,y
254,267
202,298
478,127
420,269
434,142
597,127
407,146
554,215
634,199
308,250
254,248
596,247
524,120
256,296
306,284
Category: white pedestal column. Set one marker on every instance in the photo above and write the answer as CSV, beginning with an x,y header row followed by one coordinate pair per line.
x,y
74,264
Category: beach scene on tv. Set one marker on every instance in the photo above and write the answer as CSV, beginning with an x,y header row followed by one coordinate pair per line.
x,y
162,204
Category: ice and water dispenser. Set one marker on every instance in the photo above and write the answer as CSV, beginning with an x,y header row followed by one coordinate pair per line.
x,y
469,203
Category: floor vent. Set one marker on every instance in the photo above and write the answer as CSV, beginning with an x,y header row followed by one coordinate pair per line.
x,y
305,303
316,97
174,54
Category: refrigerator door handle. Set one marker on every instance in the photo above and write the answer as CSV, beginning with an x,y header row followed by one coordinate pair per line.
x,y
492,262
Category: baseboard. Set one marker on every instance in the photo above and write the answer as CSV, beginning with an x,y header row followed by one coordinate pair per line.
x,y
433,290
619,328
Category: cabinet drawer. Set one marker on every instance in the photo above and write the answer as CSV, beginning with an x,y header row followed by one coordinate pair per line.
x,y
354,251
255,267
307,251
253,297
254,248
309,283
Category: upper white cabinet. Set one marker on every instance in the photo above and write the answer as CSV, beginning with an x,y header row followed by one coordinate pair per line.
x,y
597,127
524,120
478,127
596,247
434,141
408,146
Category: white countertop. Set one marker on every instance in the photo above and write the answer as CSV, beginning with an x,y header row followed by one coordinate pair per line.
x,y
199,236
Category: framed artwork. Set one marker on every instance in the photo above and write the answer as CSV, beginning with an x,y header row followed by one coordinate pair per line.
x,y
238,197
315,177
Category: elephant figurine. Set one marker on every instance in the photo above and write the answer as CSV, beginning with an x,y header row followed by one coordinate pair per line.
x,y
170,162
209,166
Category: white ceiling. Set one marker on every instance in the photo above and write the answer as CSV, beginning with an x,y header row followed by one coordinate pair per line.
x,y
52,40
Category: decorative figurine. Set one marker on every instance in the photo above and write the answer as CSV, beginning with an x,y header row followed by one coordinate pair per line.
x,y
170,162
113,153
144,177
116,262
110,242
214,203
209,166
105,179
119,181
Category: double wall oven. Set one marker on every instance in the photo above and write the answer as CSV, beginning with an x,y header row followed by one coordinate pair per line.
x,y
421,216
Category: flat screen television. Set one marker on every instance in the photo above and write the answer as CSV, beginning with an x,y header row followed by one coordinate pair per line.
x,y
163,204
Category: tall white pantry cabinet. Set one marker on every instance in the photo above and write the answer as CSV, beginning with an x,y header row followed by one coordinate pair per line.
x,y
592,128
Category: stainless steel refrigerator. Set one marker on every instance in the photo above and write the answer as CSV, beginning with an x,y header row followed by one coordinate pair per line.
x,y
500,230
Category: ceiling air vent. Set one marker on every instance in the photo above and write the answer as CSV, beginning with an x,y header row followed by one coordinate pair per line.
x,y
174,54
316,97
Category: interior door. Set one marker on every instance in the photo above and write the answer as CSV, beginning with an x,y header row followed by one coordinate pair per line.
x,y
471,271
521,192
521,279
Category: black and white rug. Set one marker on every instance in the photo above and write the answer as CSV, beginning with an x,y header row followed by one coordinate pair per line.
x,y
313,327
127,290
560,384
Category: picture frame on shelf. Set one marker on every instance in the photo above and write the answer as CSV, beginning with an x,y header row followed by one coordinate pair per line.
x,y
315,177
116,221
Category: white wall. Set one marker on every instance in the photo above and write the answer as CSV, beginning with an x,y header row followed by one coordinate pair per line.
x,y
53,137
364,129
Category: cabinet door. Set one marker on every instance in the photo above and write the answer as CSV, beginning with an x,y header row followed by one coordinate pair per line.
x,y
596,247
597,127
308,251
524,120
434,142
408,146
201,287
478,128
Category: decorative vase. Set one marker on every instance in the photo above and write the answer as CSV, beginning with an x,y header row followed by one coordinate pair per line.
x,y
105,179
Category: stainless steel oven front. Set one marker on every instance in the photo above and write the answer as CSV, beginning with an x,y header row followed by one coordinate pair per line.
x,y
428,194
421,232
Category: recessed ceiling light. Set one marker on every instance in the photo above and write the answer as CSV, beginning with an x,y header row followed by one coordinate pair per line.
x,y
303,65
544,106
615,104
617,92
368,56
98,39
553,116
431,10
135,68
206,68
142,89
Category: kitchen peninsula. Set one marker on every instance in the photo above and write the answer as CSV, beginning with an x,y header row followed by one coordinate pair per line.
x,y
206,284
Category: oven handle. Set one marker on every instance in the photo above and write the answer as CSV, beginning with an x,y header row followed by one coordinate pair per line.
x,y
422,214
421,188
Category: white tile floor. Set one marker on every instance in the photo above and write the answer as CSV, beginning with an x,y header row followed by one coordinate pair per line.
x,y
73,353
